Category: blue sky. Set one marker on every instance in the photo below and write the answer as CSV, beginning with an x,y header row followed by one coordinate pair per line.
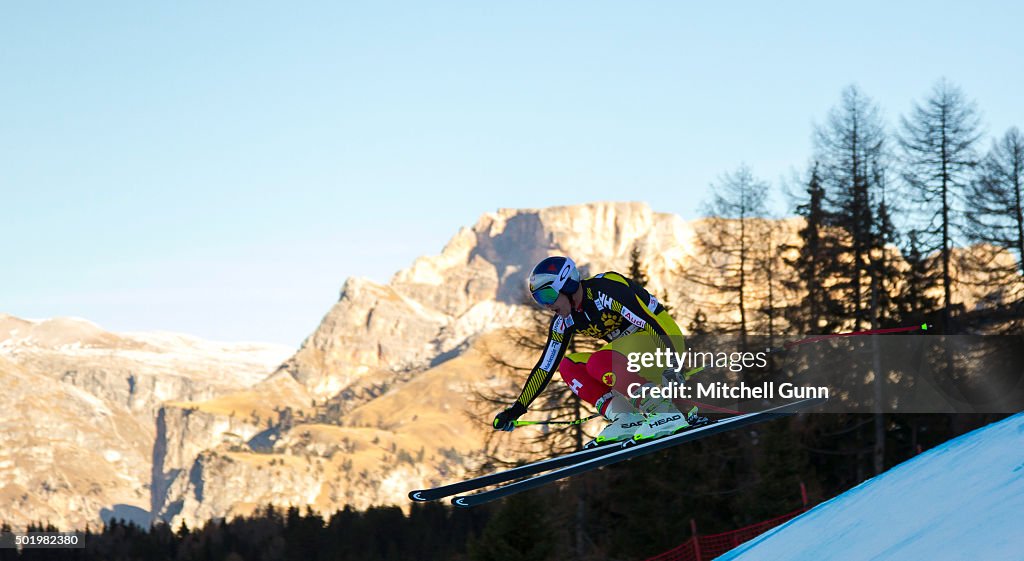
x,y
221,168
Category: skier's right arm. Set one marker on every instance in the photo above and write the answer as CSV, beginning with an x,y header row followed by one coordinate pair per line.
x,y
554,349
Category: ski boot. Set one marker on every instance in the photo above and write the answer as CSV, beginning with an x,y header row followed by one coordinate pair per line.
x,y
663,419
622,428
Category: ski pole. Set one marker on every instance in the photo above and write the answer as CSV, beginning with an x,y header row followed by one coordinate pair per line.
x,y
519,423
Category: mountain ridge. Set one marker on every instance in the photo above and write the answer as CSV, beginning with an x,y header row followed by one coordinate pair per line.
x,y
77,417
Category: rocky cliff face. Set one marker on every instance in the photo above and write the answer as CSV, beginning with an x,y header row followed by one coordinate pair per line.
x,y
414,435
248,420
77,414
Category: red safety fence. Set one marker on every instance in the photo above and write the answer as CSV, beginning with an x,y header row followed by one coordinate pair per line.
x,y
703,548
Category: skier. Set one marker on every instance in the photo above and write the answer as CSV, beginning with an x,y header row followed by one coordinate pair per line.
x,y
611,307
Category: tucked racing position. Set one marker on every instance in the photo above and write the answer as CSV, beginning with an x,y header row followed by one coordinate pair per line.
x,y
622,313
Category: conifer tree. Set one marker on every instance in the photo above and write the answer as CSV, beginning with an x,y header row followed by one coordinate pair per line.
x,y
938,143
913,300
817,311
851,149
780,468
519,531
995,217
730,240
996,212
637,272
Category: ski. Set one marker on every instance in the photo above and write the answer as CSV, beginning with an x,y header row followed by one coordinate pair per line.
x,y
525,470
625,453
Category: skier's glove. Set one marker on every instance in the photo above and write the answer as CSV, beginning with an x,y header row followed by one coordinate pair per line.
x,y
506,419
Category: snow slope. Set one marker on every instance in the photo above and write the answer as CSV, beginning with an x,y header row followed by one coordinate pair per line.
x,y
962,500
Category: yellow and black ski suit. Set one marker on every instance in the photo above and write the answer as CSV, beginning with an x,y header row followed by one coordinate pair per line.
x,y
624,315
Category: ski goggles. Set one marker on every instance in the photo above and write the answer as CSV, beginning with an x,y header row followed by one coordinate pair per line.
x,y
545,295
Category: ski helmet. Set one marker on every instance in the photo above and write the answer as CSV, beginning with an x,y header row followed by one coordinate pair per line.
x,y
552,276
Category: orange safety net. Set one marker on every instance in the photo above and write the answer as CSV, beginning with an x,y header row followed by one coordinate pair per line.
x,y
701,548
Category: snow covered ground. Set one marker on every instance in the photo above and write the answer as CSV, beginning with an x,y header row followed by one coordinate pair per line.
x,y
962,500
